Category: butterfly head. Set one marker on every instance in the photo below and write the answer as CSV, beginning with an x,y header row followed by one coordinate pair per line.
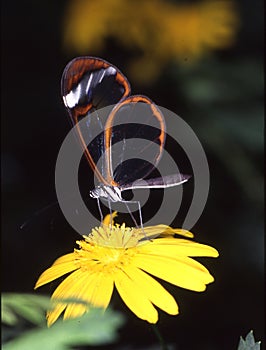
x,y
112,193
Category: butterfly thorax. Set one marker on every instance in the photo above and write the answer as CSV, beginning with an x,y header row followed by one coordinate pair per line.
x,y
109,192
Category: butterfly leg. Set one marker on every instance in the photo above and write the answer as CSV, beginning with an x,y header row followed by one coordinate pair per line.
x,y
132,217
111,213
129,211
99,208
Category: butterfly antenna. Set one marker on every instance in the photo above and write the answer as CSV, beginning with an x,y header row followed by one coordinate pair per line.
x,y
37,213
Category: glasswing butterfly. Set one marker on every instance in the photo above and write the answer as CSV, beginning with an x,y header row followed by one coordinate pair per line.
x,y
96,92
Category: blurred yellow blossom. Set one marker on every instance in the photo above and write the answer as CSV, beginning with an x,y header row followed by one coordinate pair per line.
x,y
159,31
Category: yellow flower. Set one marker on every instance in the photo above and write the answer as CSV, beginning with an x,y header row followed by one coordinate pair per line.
x,y
124,257
159,31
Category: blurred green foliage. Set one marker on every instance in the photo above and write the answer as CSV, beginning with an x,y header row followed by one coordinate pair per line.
x,y
225,107
94,328
248,343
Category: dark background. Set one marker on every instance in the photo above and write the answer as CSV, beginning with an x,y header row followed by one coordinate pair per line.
x,y
34,124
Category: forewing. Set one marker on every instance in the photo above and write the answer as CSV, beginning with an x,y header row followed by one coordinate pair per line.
x,y
89,84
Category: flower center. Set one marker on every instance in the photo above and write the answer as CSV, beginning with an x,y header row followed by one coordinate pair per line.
x,y
115,236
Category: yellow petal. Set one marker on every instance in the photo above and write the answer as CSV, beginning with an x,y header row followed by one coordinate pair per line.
x,y
164,230
109,219
183,272
61,266
174,247
53,315
69,288
94,288
65,258
134,298
74,310
153,290
97,289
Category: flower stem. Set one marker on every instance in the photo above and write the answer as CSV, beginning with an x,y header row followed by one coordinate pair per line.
x,y
159,336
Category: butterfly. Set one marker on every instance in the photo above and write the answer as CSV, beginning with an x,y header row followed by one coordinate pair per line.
x,y
107,117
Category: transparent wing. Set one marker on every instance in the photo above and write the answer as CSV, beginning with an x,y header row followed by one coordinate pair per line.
x,y
158,182
88,84
134,140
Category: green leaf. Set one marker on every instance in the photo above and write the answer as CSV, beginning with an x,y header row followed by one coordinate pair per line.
x,y
8,316
94,328
28,306
249,343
